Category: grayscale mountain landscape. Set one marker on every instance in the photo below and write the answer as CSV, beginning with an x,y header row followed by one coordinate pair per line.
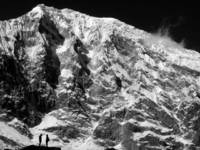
x,y
95,83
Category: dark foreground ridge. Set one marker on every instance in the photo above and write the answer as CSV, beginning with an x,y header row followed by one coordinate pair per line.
x,y
33,147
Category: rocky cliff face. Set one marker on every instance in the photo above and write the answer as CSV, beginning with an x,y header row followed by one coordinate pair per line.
x,y
92,83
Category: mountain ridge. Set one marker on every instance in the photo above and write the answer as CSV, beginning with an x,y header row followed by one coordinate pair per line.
x,y
92,83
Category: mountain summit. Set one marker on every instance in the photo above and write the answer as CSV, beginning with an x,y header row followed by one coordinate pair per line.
x,y
95,83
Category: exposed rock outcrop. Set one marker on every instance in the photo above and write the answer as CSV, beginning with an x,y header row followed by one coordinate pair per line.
x,y
96,83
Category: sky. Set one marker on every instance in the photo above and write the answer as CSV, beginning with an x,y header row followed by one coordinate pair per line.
x,y
180,19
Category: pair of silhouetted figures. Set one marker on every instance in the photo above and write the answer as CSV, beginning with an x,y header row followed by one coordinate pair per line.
x,y
40,139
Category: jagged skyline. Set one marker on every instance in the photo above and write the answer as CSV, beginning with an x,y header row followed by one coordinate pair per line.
x,y
92,83
180,18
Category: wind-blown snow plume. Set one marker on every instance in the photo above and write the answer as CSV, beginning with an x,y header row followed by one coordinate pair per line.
x,y
167,27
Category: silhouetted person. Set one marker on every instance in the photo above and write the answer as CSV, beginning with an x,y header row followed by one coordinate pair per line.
x,y
47,140
40,139
118,82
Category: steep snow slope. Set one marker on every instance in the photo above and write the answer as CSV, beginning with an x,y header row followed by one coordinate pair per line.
x,y
10,136
92,83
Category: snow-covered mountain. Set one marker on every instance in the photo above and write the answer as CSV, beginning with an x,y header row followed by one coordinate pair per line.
x,y
93,83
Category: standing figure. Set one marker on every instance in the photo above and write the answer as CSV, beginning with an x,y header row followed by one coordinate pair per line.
x,y
40,139
47,140
118,82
